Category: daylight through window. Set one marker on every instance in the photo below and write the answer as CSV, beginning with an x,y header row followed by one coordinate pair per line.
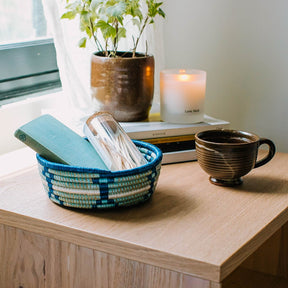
x,y
27,52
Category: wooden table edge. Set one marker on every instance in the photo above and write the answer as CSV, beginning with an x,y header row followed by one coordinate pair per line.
x,y
112,246
244,252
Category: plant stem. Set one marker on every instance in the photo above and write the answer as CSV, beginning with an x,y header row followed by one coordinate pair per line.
x,y
116,37
97,42
141,31
106,48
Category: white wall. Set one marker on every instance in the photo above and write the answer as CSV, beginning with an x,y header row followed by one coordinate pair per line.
x,y
243,46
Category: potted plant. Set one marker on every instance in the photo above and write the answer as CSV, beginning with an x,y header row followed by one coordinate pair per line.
x,y
122,82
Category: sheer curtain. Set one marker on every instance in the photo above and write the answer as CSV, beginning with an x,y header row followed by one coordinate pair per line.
x,y
74,62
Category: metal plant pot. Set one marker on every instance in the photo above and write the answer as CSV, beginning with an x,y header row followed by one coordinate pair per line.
x,y
123,86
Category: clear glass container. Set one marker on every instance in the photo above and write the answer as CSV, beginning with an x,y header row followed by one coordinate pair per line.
x,y
112,143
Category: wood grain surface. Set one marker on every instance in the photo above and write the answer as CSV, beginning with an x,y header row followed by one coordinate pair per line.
x,y
190,226
40,262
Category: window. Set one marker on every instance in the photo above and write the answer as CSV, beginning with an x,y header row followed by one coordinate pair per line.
x,y
27,52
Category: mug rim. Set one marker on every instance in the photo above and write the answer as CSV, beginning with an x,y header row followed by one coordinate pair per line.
x,y
225,130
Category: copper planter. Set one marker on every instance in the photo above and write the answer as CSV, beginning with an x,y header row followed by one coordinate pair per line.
x,y
123,86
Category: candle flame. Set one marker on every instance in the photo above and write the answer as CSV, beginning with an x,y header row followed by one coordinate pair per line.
x,y
183,77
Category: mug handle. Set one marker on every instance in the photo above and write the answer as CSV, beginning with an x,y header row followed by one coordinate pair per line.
x,y
270,154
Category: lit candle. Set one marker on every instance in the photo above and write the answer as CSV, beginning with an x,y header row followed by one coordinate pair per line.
x,y
182,95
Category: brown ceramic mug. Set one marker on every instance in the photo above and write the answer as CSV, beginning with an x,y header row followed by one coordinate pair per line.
x,y
227,155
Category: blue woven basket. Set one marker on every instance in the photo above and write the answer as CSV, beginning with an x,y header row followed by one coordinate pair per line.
x,y
95,188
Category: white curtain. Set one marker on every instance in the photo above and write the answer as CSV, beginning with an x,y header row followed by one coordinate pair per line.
x,y
74,62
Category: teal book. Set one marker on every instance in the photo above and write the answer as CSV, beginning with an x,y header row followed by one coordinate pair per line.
x,y
56,142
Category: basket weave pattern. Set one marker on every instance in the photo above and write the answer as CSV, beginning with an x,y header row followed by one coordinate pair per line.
x,y
94,188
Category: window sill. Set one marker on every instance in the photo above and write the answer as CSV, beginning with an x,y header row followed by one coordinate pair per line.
x,y
16,156
14,115
17,161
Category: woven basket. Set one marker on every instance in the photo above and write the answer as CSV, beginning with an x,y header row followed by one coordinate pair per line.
x,y
90,188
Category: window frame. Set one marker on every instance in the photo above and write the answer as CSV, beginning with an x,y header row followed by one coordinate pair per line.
x,y
28,67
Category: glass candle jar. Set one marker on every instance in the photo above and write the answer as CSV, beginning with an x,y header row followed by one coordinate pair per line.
x,y
182,95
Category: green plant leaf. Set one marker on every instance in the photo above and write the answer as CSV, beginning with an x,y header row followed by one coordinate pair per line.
x,y
88,31
153,7
139,14
109,17
69,15
136,22
156,5
107,30
161,13
120,20
82,42
121,32
85,18
133,9
95,4
116,10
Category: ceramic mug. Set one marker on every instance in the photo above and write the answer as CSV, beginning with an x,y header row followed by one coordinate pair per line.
x,y
227,155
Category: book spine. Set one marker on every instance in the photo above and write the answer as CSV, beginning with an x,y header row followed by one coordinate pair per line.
x,y
179,156
172,139
141,135
39,148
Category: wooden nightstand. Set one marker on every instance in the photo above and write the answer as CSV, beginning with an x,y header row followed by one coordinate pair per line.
x,y
191,234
